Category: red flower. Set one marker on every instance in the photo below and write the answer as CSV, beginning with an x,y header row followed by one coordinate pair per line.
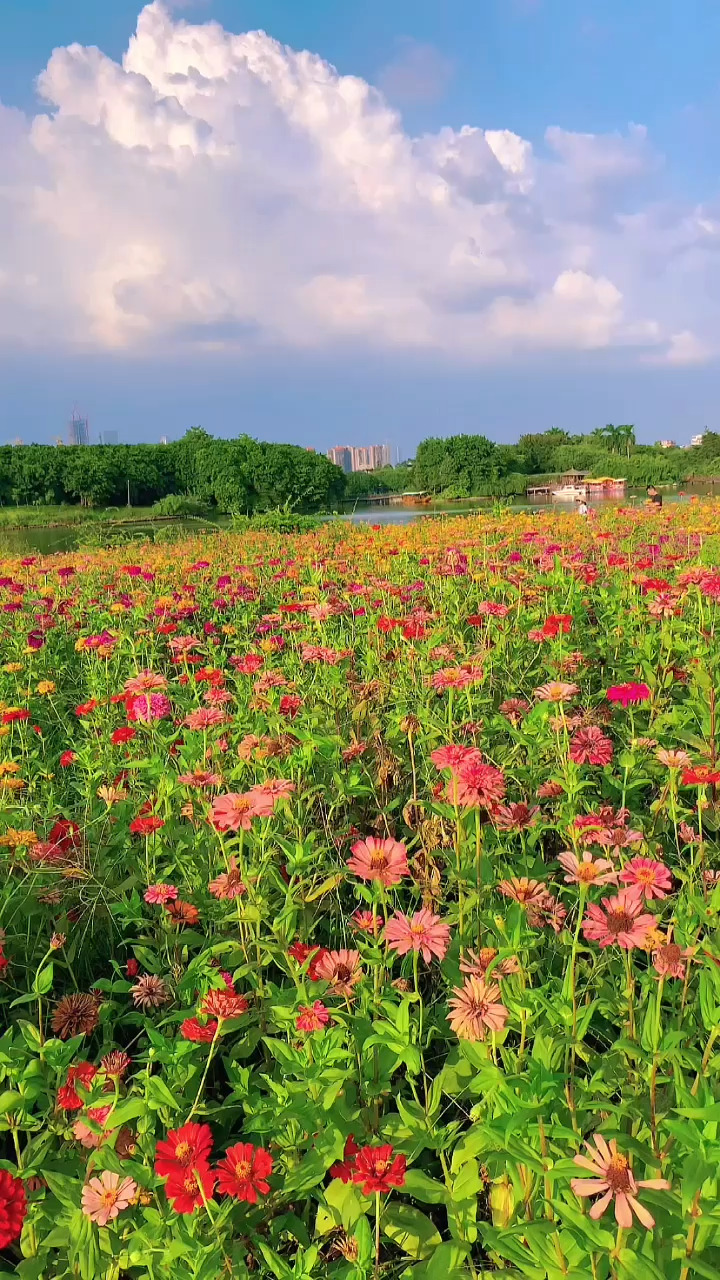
x,y
13,1208
68,1097
224,1004
290,704
132,968
124,734
188,1188
86,708
344,1168
244,1172
590,746
378,1170
700,776
191,1029
183,1149
145,826
312,1017
67,758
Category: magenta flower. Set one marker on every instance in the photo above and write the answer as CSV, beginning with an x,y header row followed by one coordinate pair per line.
x,y
627,693
159,894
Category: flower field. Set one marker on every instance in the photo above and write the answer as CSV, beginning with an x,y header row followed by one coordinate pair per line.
x,y
360,905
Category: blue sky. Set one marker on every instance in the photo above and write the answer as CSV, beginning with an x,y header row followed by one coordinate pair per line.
x,y
619,229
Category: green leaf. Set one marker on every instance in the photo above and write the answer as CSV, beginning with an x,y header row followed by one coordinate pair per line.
x,y
410,1230
447,1262
159,1095
420,1187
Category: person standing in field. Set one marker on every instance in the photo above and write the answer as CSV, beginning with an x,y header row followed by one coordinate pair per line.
x,y
653,496
582,506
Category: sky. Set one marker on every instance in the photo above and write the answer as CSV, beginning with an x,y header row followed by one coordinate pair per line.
x,y
339,223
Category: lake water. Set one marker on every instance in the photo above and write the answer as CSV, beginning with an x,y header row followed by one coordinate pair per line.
x,y
20,542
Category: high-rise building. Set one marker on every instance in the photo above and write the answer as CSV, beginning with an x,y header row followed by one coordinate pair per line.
x,y
370,457
342,456
109,437
79,430
697,440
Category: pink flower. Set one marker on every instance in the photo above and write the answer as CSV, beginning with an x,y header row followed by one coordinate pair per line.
x,y
145,682
312,1017
587,870
590,746
613,1180
228,884
651,877
383,860
204,718
366,922
235,810
424,932
476,1008
159,894
89,1137
341,969
103,1198
476,786
148,707
452,756
627,693
671,961
620,920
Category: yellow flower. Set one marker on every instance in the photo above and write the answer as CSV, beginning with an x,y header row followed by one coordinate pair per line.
x,y
117,608
4,730
80,644
12,667
227,630
13,839
46,686
12,784
8,766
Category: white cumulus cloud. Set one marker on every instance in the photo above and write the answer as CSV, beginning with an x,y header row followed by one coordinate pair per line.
x,y
223,190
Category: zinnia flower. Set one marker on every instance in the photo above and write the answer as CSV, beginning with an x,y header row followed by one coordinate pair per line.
x,y
149,707
187,1189
613,1180
556,691
476,1008
619,920
103,1198
228,884
476,786
75,1015
341,969
159,894
377,1169
651,877
183,1148
515,817
13,1207
587,870
590,746
627,693
673,759
313,1017
424,932
343,1169
522,890
150,992
221,1003
383,860
452,756
235,810
244,1171
670,960
82,1073
700,775
199,1033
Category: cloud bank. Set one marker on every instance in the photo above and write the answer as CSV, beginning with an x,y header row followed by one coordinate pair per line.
x,y
222,191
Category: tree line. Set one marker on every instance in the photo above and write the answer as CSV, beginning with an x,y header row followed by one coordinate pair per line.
x,y
244,475
463,466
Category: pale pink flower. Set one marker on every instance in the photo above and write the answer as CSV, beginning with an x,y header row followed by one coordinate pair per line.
x,y
423,932
375,859
87,1136
515,817
476,964
587,870
652,877
476,1008
677,759
105,1197
619,920
145,682
613,1179
522,890
236,810
556,691
273,789
159,894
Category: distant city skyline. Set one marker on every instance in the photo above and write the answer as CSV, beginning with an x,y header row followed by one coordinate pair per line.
x,y
352,458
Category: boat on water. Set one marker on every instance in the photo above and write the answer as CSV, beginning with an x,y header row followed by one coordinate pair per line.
x,y
569,493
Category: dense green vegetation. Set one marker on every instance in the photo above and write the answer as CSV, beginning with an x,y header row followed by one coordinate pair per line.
x,y
200,474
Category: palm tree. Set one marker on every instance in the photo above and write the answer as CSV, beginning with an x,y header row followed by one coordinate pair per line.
x,y
626,435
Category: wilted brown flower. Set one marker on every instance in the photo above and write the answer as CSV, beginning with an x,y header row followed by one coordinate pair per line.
x,y
150,992
115,1063
75,1015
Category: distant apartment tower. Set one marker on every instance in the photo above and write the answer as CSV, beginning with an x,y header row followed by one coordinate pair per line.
x,y
697,440
79,430
109,437
342,456
371,457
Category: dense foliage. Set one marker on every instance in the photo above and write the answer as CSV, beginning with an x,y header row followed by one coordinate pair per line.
x,y
235,475
353,881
